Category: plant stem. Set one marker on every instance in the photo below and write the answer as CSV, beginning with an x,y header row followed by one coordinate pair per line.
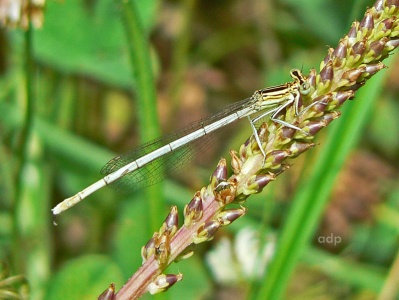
x,y
140,58
312,198
24,142
180,54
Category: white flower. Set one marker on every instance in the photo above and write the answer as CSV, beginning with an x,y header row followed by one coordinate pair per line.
x,y
246,258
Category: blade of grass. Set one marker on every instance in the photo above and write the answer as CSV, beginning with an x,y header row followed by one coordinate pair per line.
x,y
139,52
180,53
31,252
23,145
390,288
33,219
313,194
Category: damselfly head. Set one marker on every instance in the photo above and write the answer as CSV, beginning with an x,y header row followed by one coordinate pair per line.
x,y
296,74
304,85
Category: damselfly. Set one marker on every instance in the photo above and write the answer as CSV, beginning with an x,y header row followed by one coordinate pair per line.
x,y
141,167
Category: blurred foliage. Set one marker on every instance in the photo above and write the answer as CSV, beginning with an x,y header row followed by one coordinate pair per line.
x,y
206,54
93,45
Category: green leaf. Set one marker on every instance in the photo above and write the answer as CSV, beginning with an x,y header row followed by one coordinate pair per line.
x,y
131,233
84,278
77,39
384,127
196,283
360,275
326,19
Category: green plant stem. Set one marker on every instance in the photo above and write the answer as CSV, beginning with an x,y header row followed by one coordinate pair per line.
x,y
313,195
139,52
180,53
24,141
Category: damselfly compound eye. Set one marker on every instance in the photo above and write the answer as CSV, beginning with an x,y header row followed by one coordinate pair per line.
x,y
305,88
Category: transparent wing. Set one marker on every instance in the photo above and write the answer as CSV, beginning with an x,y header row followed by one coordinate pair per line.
x,y
170,163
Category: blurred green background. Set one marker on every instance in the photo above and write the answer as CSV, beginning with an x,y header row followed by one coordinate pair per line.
x,y
79,73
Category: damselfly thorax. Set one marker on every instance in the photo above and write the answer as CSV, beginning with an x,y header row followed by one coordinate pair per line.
x,y
277,98
281,96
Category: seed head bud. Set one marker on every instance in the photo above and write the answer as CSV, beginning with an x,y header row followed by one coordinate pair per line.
x,y
247,150
314,126
228,216
245,147
312,78
108,294
319,107
171,222
163,282
339,54
340,97
329,117
350,77
162,249
327,58
391,45
206,231
378,46
149,248
257,182
358,48
320,103
326,75
352,34
357,86
372,69
277,156
220,173
193,211
287,133
247,141
387,24
341,49
262,133
379,5
392,4
236,162
367,23
298,148
187,253
395,29
225,192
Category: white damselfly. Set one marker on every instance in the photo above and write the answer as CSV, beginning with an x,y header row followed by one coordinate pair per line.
x,y
141,167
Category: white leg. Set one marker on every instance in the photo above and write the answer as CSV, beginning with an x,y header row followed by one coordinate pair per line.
x,y
310,105
256,135
273,117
